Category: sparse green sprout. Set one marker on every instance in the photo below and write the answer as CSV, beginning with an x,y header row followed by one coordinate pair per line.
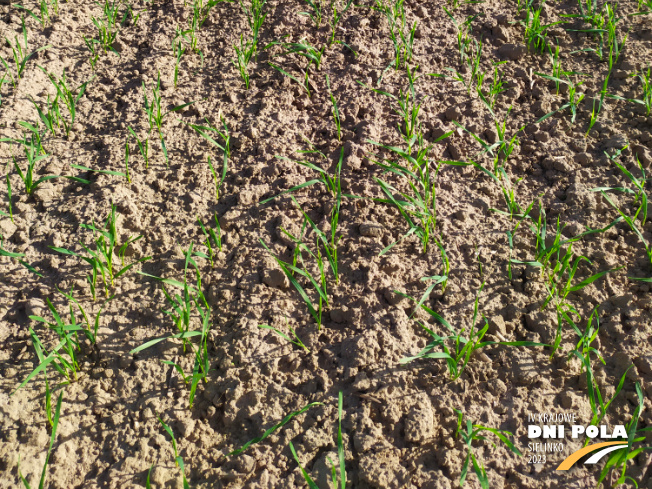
x,y
296,341
244,53
143,147
225,147
473,433
94,54
181,312
69,98
107,25
274,428
315,13
418,205
331,182
402,36
64,356
340,455
536,31
335,19
583,352
645,78
178,50
459,346
104,259
558,266
17,256
574,97
30,147
319,283
255,18
156,115
618,459
640,198
213,239
301,48
20,55
91,327
53,435
335,111
177,458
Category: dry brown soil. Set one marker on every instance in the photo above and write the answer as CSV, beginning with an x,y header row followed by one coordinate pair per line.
x,y
398,422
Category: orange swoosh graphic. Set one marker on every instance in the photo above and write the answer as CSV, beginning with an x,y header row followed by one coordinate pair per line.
x,y
570,461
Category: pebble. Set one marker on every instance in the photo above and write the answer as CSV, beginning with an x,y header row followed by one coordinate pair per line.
x,y
275,278
7,228
371,229
512,52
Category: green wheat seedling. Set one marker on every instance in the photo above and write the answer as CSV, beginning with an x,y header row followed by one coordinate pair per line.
x,y
296,341
329,242
105,261
292,271
218,180
91,327
64,356
502,148
177,458
105,172
69,98
645,78
301,48
335,110
644,4
474,433
507,188
330,181
334,185
640,198
274,428
108,25
225,147
618,459
558,266
30,147
18,257
43,16
574,98
418,206
255,18
335,19
53,436
459,346
19,54
406,107
156,115
243,54
497,86
213,239
94,53
315,12
143,147
536,32
51,116
402,36
464,39
603,21
178,50
340,455
181,312
583,351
